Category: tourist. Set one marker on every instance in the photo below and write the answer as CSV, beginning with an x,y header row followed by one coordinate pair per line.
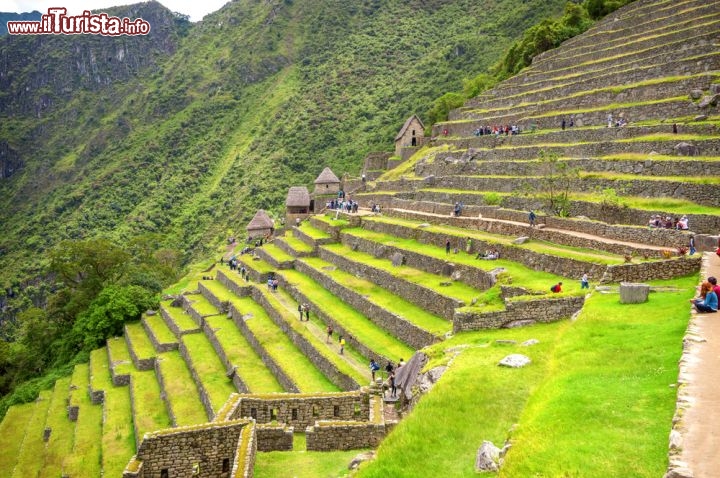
x,y
572,120
300,311
584,282
531,218
393,386
342,345
691,245
389,368
682,224
307,312
468,246
400,363
716,287
609,120
329,334
708,304
447,246
557,288
674,128
374,367
562,124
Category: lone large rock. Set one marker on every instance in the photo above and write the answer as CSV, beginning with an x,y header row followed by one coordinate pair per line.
x,y
633,293
686,149
515,361
487,458
397,259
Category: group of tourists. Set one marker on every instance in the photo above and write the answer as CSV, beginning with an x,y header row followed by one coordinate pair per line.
x,y
657,221
343,205
272,284
489,255
497,130
708,300
304,310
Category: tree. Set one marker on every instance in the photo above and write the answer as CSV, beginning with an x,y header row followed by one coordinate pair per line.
x,y
442,106
555,184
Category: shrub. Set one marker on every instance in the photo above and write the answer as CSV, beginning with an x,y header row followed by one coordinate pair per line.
x,y
492,199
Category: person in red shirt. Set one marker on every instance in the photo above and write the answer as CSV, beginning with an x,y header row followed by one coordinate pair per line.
x,y
557,287
716,287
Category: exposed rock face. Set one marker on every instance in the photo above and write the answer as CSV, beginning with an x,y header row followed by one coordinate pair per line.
x,y
9,160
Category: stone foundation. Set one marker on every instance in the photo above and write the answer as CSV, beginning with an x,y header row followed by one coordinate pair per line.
x,y
331,435
540,310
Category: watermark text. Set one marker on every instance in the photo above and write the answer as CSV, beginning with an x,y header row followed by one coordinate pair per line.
x,y
57,22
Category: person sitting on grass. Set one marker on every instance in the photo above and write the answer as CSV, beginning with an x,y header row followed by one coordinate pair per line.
x,y
708,301
556,288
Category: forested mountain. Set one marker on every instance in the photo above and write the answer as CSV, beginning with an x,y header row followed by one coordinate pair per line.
x,y
189,130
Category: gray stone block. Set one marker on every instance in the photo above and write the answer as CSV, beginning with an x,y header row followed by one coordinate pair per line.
x,y
633,293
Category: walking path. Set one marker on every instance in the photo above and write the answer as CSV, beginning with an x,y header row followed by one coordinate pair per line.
x,y
699,397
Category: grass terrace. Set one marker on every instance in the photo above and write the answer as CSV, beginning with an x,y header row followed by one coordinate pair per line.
x,y
599,383
181,319
159,328
149,408
85,457
118,439
313,231
389,301
355,323
12,433
329,218
201,305
609,107
32,450
304,464
293,362
276,253
258,265
180,390
119,356
296,244
208,366
141,344
63,430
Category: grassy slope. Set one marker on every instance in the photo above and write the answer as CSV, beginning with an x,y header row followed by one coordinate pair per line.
x,y
594,402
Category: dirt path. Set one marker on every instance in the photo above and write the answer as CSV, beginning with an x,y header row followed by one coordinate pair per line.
x,y
700,425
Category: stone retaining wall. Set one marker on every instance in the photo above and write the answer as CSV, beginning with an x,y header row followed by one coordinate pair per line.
x,y
330,435
163,393
131,389
118,379
229,366
173,326
302,410
159,347
539,310
267,257
475,277
97,397
238,290
197,317
343,381
140,364
297,232
276,370
204,396
282,244
648,271
274,438
398,326
428,299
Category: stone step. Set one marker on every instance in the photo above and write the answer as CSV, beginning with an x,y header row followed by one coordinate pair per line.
x,y
100,376
179,390
149,410
179,321
311,235
142,351
119,360
61,430
31,450
275,256
84,459
292,245
162,338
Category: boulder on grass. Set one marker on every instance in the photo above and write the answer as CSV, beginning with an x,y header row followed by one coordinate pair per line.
x,y
487,458
633,293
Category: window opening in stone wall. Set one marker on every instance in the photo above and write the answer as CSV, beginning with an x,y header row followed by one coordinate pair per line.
x,y
226,465
253,413
196,469
164,473
315,411
336,410
357,409
294,414
273,414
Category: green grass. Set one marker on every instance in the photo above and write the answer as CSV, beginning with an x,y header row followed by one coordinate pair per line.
x,y
149,412
276,253
594,402
303,464
160,330
408,166
182,320
656,157
141,344
329,218
118,440
260,266
383,298
30,458
63,430
313,231
85,457
296,244
99,370
201,305
119,355
12,432
329,351
209,367
180,390
355,323
296,365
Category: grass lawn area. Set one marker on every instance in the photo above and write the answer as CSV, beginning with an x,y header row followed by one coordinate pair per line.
x,y
304,464
276,253
208,365
99,370
594,402
118,439
293,362
257,265
381,297
160,330
141,344
182,320
296,244
150,411
12,432
84,459
201,305
180,390
329,218
313,231
32,451
63,431
356,324
119,355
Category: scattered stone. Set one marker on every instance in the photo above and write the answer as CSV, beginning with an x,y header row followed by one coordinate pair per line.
x,y
429,180
380,252
487,458
150,312
360,458
675,440
474,301
709,101
177,302
46,434
680,472
445,284
696,94
447,269
715,88
424,224
495,273
530,343
515,361
633,293
230,374
540,226
329,268
686,149
514,324
506,342
700,118
456,276
521,240
397,259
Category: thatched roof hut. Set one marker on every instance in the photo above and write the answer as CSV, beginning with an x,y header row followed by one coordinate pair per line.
x,y
260,225
327,182
298,197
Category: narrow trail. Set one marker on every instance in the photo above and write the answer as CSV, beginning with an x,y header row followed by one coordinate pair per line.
x,y
700,426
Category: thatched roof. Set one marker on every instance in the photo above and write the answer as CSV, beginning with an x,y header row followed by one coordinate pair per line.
x,y
327,177
298,196
407,125
260,221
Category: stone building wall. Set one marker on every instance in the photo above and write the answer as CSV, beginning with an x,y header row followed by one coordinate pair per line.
x,y
428,299
302,410
538,310
648,271
274,438
399,327
375,161
330,436
407,137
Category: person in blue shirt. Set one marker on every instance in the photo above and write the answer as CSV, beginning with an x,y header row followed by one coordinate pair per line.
x,y
709,303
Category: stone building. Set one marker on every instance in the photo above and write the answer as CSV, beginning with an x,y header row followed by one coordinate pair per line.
x,y
326,183
297,204
411,135
261,225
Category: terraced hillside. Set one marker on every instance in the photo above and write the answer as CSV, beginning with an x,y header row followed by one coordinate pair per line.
x,y
414,278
